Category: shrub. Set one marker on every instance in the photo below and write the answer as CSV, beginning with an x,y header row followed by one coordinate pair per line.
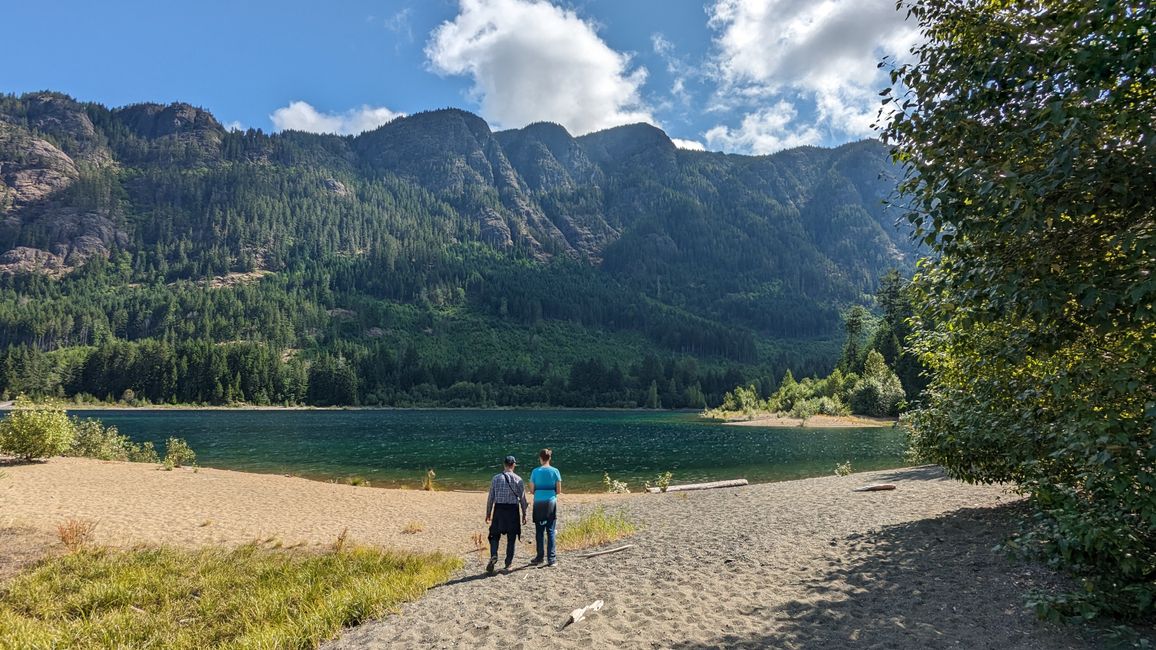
x,y
357,481
427,482
75,533
613,486
178,453
833,406
31,432
94,440
805,408
662,481
844,469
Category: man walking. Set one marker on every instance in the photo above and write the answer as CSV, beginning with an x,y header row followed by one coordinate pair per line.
x,y
546,484
506,501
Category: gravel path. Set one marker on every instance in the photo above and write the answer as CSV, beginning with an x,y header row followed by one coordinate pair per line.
x,y
798,564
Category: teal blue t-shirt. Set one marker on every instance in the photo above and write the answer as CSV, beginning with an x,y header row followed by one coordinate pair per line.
x,y
544,479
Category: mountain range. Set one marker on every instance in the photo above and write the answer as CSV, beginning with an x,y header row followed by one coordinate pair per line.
x,y
154,224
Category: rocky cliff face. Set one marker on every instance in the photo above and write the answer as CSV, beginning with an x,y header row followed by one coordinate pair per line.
x,y
36,175
78,180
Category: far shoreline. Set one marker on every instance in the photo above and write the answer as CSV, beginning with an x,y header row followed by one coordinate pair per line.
x,y
813,422
761,420
72,406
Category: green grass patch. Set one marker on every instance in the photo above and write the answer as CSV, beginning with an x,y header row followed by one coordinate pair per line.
x,y
595,528
231,598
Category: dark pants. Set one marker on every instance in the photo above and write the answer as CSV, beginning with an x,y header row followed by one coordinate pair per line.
x,y
545,524
511,543
505,521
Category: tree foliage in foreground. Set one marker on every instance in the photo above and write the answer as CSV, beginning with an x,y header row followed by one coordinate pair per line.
x,y
1028,135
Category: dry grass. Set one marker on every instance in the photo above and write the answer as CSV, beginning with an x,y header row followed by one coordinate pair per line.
x,y
595,528
479,540
75,533
342,540
413,528
427,483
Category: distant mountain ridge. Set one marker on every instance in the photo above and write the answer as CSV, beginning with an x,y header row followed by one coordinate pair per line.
x,y
703,253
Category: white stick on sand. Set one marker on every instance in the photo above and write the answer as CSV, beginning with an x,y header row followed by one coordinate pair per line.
x,y
580,613
613,550
738,482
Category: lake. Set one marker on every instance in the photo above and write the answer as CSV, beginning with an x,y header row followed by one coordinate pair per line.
x,y
395,447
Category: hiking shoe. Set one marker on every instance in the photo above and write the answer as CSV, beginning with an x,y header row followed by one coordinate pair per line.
x,y
508,564
552,563
536,561
491,565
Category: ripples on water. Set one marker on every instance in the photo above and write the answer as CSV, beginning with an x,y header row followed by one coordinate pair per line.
x,y
464,447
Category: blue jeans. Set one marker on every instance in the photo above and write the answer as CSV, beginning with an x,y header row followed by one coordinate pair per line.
x,y
545,524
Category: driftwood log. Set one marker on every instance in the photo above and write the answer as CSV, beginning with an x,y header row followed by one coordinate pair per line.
x,y
607,552
738,482
875,487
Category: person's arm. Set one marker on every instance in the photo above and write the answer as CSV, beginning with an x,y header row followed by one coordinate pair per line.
x,y
490,502
558,487
525,506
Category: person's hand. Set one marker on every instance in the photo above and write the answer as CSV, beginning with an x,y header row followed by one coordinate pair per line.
x,y
487,519
523,520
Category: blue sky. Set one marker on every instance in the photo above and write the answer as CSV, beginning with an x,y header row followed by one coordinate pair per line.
x,y
743,76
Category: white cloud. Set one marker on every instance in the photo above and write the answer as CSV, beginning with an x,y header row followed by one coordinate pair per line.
x,y
532,61
301,116
765,131
819,54
234,126
692,145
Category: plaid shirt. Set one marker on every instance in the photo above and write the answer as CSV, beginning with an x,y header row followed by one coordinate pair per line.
x,y
506,491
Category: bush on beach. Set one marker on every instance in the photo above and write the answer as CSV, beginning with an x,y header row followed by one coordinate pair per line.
x,y
94,440
178,453
30,432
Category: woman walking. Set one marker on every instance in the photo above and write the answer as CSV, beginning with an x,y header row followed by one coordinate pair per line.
x,y
546,485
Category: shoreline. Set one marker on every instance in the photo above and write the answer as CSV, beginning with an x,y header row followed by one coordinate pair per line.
x,y
813,422
70,406
761,420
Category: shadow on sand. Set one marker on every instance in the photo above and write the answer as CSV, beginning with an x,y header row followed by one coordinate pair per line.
x,y
483,575
921,473
933,583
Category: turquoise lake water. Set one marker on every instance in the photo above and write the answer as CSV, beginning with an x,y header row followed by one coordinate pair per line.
x,y
464,447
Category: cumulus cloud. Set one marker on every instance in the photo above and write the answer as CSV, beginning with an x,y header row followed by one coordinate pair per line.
x,y
235,125
765,131
301,116
692,145
532,61
822,53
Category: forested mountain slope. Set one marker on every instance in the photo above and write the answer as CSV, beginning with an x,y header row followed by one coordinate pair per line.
x,y
431,260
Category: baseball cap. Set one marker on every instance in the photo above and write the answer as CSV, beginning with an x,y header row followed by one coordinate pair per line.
x,y
510,460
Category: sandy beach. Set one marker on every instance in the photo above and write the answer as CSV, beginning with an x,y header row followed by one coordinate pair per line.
x,y
135,503
797,564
